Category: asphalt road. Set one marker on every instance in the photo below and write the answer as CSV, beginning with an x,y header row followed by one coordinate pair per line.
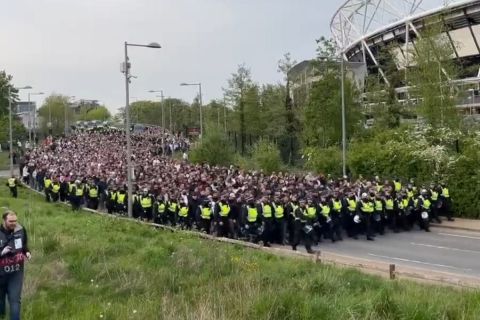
x,y
444,250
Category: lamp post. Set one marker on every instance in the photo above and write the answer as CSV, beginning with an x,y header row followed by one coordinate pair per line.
x,y
10,124
161,105
32,126
201,104
126,71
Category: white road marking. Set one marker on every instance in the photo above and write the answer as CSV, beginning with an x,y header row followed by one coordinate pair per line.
x,y
458,236
445,248
419,262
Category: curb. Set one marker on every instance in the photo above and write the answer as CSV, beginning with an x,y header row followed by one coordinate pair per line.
x,y
366,266
436,225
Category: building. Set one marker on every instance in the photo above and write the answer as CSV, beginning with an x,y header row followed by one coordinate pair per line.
x,y
26,112
364,29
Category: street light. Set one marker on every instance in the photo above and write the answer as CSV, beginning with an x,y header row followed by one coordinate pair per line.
x,y
10,123
32,126
183,84
160,96
126,71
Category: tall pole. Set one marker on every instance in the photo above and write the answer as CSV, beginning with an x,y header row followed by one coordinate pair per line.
x,y
225,114
65,125
29,122
10,130
344,133
170,117
163,110
201,112
127,133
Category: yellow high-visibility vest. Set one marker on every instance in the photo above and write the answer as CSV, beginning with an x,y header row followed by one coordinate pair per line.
x,y
252,214
352,205
224,210
267,211
121,198
389,204
279,211
311,212
11,182
183,212
93,192
146,202
206,213
55,188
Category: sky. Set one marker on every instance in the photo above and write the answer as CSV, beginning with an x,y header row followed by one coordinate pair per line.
x,y
75,48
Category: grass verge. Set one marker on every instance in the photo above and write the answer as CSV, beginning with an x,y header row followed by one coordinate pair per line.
x,y
92,267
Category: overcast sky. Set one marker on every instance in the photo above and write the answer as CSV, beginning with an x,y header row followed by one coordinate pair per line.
x,y
75,47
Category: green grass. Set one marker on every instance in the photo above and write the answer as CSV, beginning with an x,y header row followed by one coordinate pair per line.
x,y
90,267
4,161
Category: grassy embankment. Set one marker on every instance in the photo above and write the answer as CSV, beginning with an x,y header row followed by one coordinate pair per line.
x,y
4,161
90,267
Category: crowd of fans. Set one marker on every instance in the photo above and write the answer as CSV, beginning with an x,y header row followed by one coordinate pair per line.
x,y
90,169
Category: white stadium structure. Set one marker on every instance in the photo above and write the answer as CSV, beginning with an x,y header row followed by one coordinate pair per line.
x,y
362,28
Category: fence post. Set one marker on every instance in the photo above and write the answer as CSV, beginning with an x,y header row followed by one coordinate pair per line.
x,y
392,272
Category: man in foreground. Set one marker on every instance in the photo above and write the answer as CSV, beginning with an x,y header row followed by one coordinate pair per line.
x,y
13,251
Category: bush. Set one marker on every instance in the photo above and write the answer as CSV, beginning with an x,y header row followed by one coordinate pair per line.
x,y
328,160
266,156
214,149
423,153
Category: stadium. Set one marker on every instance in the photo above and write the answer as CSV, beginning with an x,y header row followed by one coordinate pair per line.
x,y
361,29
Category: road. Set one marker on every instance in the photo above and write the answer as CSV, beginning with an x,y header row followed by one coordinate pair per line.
x,y
444,250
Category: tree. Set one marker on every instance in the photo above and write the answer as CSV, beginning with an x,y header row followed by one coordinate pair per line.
x,y
323,113
238,85
431,78
96,113
53,112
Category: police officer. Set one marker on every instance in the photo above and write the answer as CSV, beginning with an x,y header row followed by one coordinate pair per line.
x,y
434,197
184,215
77,194
121,201
303,228
55,190
206,216
267,221
365,209
224,222
337,207
111,196
253,221
146,202
47,183
379,214
446,202
279,222
13,251
92,195
172,211
12,183
159,211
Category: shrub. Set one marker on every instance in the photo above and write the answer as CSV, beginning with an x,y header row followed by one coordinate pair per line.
x,y
266,156
214,148
328,160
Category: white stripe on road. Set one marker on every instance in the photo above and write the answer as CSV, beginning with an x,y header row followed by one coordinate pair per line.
x,y
419,262
445,248
459,236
